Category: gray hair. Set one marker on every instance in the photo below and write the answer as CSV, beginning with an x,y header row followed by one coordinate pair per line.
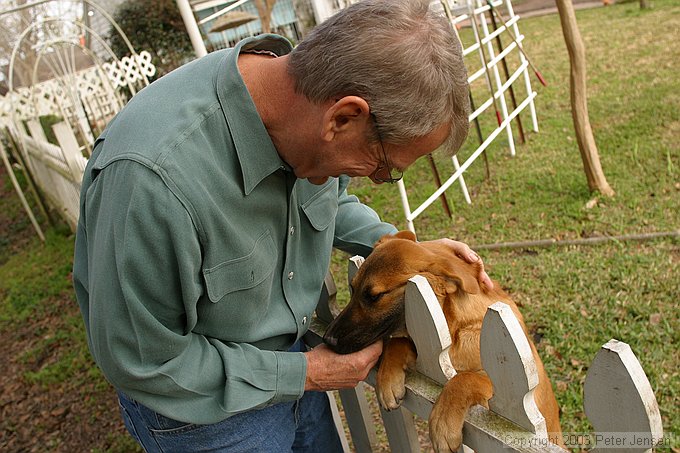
x,y
399,56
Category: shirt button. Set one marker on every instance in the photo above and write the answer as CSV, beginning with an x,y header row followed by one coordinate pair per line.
x,y
304,320
292,230
290,275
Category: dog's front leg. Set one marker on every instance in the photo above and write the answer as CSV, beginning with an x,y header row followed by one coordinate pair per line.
x,y
463,391
399,354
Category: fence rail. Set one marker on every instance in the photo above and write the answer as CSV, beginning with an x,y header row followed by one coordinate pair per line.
x,y
617,395
56,170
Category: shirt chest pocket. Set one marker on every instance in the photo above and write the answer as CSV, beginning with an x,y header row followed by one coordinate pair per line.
x,y
322,206
250,273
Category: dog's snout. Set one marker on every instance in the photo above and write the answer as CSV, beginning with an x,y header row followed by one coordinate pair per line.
x,y
330,340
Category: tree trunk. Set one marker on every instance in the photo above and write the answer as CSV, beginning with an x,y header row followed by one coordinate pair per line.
x,y
264,10
579,99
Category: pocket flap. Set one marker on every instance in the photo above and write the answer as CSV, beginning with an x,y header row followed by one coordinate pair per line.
x,y
322,208
242,273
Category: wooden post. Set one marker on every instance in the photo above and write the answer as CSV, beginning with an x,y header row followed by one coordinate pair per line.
x,y
28,171
324,309
579,100
401,430
354,400
20,193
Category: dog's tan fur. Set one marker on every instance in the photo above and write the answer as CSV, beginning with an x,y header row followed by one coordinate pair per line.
x,y
376,310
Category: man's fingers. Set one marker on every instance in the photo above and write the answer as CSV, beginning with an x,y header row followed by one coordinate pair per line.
x,y
465,252
327,370
472,257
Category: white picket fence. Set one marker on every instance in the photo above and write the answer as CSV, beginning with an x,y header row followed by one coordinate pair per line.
x,y
56,170
618,399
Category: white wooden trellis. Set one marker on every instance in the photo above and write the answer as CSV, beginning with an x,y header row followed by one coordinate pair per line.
x,y
101,82
618,398
474,14
58,170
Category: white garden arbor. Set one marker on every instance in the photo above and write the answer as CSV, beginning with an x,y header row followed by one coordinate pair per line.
x,y
69,82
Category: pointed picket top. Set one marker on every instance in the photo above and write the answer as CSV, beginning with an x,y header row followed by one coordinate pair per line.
x,y
619,400
509,362
353,266
429,331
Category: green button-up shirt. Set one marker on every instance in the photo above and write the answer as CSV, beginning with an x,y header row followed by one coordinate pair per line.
x,y
199,256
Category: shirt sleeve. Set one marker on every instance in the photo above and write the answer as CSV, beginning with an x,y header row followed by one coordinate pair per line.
x,y
143,282
357,226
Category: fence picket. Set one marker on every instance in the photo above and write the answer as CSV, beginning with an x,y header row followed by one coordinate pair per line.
x,y
428,329
619,399
508,361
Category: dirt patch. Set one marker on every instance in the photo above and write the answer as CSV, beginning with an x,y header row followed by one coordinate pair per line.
x,y
72,416
60,417
76,411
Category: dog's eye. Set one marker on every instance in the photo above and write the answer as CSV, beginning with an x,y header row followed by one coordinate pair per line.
x,y
370,297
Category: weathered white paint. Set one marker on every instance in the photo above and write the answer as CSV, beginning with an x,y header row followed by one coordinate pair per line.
x,y
429,331
618,397
509,363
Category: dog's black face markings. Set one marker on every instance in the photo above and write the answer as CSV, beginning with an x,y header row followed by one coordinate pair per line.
x,y
370,297
355,328
348,333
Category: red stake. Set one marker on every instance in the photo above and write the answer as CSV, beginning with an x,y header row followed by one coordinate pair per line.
x,y
521,49
473,21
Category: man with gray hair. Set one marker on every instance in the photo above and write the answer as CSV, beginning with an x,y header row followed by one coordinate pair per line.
x,y
210,207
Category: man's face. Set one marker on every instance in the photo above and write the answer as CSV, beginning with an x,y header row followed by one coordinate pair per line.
x,y
372,159
397,158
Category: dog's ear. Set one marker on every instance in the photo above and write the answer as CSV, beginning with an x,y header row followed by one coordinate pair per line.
x,y
462,275
404,234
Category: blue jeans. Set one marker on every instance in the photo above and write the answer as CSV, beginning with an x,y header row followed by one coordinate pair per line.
x,y
305,425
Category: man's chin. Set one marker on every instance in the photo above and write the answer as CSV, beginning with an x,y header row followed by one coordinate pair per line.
x,y
319,180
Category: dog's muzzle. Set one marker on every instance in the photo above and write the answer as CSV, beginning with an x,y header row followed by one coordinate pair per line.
x,y
330,340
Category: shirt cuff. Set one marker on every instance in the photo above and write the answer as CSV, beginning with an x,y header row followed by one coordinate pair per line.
x,y
291,372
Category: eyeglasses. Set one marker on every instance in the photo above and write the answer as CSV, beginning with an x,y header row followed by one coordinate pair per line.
x,y
384,172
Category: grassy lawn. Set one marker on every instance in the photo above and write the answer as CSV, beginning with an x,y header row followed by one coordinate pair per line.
x,y
574,298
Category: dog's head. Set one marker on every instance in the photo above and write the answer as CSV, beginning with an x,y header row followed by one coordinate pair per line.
x,y
376,308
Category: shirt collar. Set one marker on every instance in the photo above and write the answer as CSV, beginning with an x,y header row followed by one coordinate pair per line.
x,y
256,152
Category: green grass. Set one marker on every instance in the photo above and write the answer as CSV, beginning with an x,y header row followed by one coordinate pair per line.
x,y
38,273
578,298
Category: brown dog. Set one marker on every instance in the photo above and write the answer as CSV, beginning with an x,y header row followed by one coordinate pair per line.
x,y
376,310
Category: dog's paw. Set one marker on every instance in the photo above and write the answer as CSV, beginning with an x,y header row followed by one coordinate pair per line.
x,y
391,389
446,429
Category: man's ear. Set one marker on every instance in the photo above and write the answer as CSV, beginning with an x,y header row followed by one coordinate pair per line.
x,y
344,115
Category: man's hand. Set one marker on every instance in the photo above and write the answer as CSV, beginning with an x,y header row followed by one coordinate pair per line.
x,y
463,251
327,370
